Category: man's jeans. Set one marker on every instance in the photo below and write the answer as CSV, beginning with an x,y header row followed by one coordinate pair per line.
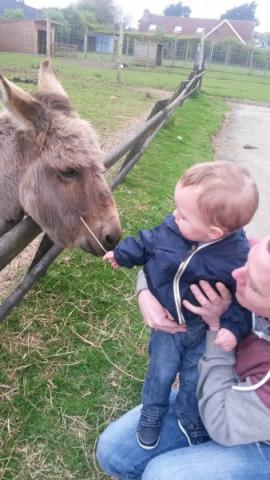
x,y
119,454
169,355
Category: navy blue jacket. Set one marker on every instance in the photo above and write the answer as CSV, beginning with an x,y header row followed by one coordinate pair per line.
x,y
163,248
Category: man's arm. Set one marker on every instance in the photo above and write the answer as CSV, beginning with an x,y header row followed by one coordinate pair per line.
x,y
154,314
230,416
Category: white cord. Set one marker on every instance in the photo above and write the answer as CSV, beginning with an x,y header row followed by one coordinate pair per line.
x,y
253,387
100,244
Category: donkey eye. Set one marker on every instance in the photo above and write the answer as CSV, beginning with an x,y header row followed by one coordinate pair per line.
x,y
69,173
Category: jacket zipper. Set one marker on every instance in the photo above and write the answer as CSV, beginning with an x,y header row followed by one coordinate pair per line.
x,y
176,282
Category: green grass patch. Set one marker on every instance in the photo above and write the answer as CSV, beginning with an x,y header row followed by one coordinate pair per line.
x,y
95,93
74,352
92,88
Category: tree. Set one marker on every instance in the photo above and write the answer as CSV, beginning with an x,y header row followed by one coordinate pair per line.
x,y
246,11
13,13
75,22
177,10
104,11
55,14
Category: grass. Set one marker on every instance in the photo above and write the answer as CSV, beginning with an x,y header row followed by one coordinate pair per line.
x,y
243,86
229,81
95,93
74,351
92,88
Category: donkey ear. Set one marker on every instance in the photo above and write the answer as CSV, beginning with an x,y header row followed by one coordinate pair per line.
x,y
48,81
24,108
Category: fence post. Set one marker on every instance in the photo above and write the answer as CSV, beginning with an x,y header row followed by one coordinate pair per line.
x,y
250,66
148,55
199,61
174,51
119,53
85,44
48,37
127,47
211,54
228,55
187,51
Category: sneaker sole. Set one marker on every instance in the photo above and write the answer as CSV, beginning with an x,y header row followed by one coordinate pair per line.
x,y
147,447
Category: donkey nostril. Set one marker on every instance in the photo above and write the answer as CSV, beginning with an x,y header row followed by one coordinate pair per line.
x,y
110,240
110,236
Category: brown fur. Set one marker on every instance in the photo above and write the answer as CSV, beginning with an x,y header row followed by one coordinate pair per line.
x,y
51,166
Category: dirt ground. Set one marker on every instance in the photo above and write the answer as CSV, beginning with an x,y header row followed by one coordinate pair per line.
x,y
245,138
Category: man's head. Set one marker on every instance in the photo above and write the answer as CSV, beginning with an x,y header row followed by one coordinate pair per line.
x,y
253,279
213,199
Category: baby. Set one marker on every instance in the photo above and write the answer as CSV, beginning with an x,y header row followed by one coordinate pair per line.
x,y
201,240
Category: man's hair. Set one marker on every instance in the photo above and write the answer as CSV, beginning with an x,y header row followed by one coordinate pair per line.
x,y
268,246
228,198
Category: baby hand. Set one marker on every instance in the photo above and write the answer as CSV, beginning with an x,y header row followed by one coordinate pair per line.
x,y
109,257
225,340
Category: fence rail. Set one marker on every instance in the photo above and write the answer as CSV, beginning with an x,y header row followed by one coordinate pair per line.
x,y
64,50
14,241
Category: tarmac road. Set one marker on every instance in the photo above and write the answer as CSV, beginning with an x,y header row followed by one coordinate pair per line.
x,y
245,138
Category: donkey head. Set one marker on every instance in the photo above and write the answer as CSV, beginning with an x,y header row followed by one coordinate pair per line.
x,y
61,168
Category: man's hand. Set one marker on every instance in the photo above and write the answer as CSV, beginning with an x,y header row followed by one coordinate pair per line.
x,y
226,340
155,315
212,304
109,257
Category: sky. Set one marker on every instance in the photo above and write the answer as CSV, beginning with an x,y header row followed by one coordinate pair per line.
x,y
199,8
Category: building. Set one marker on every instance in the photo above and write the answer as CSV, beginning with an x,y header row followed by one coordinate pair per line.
x,y
28,12
216,30
104,43
25,36
147,54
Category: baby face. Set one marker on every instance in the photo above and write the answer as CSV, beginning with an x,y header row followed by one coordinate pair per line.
x,y
187,214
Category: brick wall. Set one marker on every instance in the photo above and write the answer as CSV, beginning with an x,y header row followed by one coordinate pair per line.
x,y
19,37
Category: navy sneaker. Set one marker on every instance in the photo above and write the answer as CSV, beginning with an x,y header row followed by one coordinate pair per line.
x,y
148,432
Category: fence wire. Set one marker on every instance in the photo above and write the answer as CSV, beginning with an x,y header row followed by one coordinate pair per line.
x,y
173,52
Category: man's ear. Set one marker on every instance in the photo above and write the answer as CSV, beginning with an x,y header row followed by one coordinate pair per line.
x,y
215,233
23,107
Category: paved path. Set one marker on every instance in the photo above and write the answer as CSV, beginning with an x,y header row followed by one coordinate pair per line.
x,y
249,126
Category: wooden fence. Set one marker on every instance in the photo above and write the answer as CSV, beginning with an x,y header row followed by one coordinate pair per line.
x,y
14,241
64,50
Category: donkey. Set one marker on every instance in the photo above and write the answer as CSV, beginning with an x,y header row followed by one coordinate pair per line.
x,y
51,167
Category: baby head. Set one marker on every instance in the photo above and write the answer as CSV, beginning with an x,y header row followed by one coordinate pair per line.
x,y
214,198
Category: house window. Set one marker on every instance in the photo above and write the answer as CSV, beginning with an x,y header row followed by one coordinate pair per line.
x,y
199,30
177,29
152,27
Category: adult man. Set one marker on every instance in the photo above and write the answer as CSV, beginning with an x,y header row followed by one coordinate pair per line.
x,y
235,407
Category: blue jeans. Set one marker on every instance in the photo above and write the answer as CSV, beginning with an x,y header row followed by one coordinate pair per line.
x,y
119,454
169,355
